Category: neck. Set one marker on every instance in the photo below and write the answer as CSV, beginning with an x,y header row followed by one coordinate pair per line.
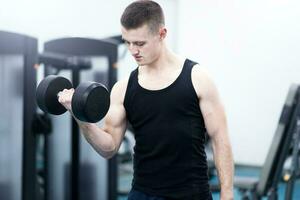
x,y
166,59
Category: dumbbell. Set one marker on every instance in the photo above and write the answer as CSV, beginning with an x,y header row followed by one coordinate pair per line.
x,y
90,101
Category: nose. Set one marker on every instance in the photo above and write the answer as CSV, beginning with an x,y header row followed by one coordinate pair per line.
x,y
133,49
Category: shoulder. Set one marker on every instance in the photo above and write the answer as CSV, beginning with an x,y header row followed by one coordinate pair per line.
x,y
119,89
201,73
121,84
203,82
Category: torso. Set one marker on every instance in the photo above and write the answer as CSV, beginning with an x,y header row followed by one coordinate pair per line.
x,y
164,112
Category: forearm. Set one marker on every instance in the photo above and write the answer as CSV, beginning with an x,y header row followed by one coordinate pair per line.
x,y
224,163
100,140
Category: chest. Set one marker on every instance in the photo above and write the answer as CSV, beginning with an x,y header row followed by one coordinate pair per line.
x,y
175,101
158,81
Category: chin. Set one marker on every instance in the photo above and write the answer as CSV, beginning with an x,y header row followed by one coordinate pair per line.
x,y
141,63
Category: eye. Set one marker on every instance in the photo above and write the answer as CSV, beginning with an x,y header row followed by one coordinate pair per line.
x,y
140,44
126,43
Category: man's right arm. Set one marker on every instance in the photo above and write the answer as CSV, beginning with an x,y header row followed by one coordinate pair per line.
x,y
107,140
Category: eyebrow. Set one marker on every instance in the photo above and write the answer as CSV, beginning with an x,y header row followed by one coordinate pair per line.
x,y
124,40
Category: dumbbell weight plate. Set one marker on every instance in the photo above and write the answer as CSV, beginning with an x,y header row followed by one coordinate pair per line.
x,y
90,102
46,94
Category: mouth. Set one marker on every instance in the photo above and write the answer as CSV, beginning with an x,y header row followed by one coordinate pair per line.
x,y
137,57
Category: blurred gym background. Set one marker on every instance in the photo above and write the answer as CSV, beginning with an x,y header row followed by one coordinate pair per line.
x,y
251,48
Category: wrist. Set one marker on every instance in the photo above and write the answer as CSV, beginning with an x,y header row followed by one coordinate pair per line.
x,y
227,194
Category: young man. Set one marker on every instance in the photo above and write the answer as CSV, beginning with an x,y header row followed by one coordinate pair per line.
x,y
171,103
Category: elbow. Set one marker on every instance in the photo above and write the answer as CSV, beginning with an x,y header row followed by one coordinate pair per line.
x,y
109,156
109,153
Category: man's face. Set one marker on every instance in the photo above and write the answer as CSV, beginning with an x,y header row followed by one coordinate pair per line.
x,y
143,45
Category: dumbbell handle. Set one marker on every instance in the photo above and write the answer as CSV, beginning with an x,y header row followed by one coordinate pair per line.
x,y
58,94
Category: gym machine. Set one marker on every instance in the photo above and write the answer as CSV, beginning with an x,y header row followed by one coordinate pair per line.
x,y
294,169
287,133
18,54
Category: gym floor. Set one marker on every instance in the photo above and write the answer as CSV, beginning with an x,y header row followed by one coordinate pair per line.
x,y
125,182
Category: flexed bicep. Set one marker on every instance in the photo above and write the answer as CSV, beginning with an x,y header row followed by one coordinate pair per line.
x,y
115,122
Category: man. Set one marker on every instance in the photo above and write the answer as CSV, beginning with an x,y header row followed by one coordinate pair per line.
x,y
171,103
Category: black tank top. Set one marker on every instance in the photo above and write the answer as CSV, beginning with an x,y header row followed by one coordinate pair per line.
x,y
169,157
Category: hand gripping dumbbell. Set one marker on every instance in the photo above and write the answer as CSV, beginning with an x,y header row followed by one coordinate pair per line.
x,y
90,101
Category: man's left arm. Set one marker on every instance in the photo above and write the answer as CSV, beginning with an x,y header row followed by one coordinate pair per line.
x,y
216,125
222,152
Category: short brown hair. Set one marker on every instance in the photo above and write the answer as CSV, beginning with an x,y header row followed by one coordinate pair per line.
x,y
143,12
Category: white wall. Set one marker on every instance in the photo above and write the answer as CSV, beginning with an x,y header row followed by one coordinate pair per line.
x,y
50,19
252,49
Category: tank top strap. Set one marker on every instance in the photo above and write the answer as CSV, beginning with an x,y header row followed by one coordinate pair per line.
x,y
187,70
133,78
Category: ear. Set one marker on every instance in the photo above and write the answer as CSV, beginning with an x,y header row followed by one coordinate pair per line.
x,y
162,33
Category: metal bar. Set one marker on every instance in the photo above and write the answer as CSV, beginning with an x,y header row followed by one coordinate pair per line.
x,y
75,149
29,108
